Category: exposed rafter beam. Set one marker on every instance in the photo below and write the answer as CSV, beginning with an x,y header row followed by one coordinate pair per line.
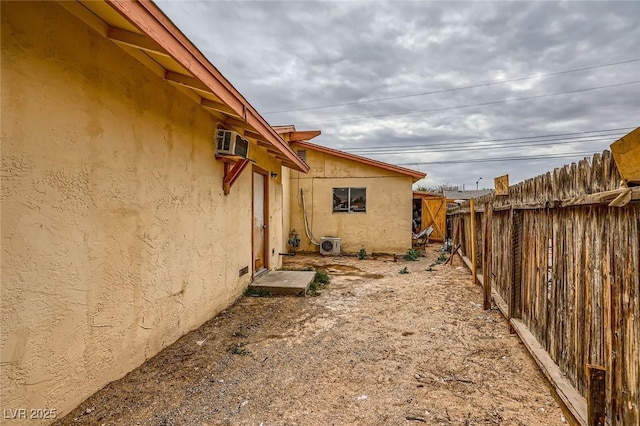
x,y
219,117
135,40
239,123
85,15
225,125
257,136
246,130
217,106
303,135
186,81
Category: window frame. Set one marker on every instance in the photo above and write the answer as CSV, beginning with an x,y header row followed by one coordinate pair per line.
x,y
349,208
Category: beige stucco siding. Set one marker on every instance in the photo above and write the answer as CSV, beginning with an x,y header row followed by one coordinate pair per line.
x,y
286,208
116,236
385,227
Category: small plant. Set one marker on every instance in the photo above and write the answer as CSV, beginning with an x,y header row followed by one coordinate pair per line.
x,y
313,288
321,278
412,255
239,349
362,254
404,270
442,258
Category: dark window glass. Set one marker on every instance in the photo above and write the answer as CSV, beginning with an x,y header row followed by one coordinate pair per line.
x,y
350,200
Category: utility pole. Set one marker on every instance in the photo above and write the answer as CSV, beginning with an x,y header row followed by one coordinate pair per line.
x,y
478,181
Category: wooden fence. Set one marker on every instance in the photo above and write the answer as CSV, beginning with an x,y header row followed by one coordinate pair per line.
x,y
560,257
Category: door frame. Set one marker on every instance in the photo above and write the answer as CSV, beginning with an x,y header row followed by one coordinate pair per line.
x,y
266,247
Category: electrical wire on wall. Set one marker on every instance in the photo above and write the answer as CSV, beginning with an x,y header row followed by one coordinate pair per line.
x,y
306,221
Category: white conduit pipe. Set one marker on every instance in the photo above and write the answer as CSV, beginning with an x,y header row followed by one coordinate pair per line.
x,y
306,221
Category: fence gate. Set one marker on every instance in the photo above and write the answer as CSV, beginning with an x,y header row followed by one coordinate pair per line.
x,y
434,213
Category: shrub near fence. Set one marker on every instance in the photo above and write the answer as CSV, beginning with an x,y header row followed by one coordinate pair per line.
x,y
564,267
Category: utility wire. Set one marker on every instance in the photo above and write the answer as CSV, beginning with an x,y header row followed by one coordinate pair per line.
x,y
498,159
502,101
457,146
445,145
560,136
473,86
477,148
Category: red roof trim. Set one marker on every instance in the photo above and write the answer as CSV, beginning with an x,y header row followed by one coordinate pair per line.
x,y
414,174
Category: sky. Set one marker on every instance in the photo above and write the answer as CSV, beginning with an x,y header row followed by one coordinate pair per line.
x,y
464,91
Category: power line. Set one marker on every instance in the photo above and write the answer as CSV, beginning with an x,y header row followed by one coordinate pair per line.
x,y
502,101
561,136
452,89
446,146
499,159
477,148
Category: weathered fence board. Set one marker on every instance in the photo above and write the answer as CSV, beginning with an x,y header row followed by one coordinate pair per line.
x,y
568,268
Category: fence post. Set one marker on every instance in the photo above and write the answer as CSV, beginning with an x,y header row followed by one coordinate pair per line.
x,y
516,266
454,239
472,212
596,395
486,255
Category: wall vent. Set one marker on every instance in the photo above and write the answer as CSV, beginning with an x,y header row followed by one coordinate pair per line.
x,y
302,153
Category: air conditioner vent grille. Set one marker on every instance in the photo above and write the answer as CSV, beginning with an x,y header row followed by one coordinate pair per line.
x,y
330,246
231,143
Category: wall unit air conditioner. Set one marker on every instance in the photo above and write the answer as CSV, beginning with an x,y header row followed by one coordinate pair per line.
x,y
329,246
229,142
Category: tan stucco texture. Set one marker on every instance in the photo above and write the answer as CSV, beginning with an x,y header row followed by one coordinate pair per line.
x,y
384,228
116,236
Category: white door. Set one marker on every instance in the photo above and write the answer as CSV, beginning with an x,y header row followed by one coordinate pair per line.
x,y
260,248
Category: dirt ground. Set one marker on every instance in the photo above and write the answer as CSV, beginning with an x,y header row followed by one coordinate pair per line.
x,y
375,347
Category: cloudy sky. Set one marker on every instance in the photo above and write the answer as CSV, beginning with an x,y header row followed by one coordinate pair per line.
x,y
459,90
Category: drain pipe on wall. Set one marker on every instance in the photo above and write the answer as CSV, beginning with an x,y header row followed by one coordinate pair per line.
x,y
306,221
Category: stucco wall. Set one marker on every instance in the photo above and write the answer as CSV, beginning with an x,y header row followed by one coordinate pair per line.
x,y
277,209
116,236
286,209
386,225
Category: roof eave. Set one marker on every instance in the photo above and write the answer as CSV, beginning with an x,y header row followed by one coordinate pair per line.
x,y
151,21
414,174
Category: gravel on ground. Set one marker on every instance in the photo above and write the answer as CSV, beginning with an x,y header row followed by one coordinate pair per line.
x,y
386,342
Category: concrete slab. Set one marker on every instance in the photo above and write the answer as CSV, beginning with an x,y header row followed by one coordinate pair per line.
x,y
283,282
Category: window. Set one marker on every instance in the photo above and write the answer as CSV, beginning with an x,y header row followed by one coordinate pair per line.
x,y
350,200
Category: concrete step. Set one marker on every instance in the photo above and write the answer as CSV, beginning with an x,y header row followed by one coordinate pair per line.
x,y
286,283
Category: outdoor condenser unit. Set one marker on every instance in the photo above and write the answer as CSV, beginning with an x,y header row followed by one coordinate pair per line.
x,y
232,143
329,246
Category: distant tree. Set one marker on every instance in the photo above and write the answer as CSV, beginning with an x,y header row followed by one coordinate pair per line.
x,y
437,189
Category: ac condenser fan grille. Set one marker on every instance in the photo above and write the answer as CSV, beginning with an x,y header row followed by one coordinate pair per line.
x,y
327,245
